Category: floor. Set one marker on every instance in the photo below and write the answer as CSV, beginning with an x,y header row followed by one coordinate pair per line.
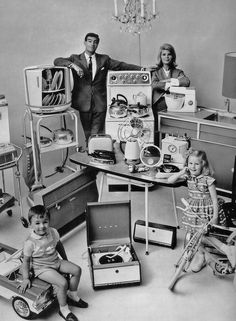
x,y
196,296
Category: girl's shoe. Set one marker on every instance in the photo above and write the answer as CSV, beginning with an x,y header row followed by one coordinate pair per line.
x,y
230,251
198,263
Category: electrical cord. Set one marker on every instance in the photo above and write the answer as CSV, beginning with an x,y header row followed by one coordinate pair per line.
x,y
60,169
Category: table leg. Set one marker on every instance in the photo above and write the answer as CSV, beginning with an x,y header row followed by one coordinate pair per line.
x,y
146,218
3,182
129,189
101,187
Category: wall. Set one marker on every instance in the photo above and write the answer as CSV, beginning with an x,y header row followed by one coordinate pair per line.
x,y
35,32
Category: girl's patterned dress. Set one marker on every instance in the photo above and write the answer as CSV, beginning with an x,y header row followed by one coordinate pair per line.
x,y
200,203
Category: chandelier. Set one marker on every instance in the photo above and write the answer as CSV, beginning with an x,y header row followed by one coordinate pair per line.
x,y
135,15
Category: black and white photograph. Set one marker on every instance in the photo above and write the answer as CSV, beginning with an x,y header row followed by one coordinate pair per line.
x,y
117,160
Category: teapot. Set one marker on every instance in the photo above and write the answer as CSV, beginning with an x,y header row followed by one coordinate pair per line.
x,y
140,99
118,107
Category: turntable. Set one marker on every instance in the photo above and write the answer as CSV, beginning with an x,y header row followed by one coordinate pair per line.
x,y
122,254
112,258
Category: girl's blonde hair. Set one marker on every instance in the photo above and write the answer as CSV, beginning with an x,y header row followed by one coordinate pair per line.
x,y
171,49
206,167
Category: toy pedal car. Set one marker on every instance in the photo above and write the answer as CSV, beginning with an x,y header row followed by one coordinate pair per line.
x,y
35,299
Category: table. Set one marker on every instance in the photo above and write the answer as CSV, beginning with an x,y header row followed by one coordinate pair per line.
x,y
120,170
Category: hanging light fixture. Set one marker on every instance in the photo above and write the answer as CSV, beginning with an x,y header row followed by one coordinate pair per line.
x,y
135,15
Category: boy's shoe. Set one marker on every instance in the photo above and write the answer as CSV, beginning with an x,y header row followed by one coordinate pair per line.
x,y
70,316
79,304
198,263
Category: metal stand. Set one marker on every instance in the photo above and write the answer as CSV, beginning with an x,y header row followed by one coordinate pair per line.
x,y
6,199
34,126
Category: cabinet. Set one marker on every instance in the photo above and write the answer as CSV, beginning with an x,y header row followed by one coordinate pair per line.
x,y
217,139
5,138
177,127
47,88
67,199
33,122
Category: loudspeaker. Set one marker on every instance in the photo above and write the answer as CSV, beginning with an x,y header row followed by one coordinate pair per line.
x,y
159,234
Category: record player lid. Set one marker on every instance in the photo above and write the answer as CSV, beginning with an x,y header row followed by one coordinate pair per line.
x,y
108,223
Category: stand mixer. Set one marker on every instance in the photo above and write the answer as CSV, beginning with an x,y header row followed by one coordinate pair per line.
x,y
185,103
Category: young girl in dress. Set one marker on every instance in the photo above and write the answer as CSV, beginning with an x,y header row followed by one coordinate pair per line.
x,y
204,202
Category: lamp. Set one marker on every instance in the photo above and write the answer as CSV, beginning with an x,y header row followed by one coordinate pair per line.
x,y
229,78
135,15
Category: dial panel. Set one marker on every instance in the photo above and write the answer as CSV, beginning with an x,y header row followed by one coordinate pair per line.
x,y
136,77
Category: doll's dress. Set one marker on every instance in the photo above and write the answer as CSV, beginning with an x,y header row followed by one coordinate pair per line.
x,y
200,202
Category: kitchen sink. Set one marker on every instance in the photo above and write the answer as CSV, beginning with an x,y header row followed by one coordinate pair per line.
x,y
222,117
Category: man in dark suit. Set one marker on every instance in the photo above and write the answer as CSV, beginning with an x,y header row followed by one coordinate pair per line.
x,y
89,92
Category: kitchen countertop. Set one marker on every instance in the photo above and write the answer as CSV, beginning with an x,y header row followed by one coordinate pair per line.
x,y
200,116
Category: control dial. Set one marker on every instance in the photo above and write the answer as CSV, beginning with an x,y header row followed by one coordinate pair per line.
x,y
172,148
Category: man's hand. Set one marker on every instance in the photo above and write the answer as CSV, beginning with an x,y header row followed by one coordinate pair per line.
x,y
78,70
26,284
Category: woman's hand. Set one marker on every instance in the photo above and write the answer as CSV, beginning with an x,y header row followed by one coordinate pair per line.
x,y
174,82
26,284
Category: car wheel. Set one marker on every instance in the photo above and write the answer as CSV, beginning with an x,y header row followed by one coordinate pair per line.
x,y
21,307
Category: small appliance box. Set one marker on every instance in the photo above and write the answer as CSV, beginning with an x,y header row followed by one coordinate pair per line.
x,y
112,258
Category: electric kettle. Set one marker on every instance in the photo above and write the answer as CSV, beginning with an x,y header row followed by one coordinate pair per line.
x,y
132,151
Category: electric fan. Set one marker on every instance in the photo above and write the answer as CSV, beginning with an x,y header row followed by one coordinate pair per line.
x,y
133,129
133,133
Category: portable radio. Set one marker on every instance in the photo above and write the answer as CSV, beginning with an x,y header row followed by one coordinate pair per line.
x,y
174,149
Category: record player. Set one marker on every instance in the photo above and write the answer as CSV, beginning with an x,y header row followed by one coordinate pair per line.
x,y
112,258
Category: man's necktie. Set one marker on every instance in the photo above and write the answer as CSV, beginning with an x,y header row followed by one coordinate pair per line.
x,y
90,67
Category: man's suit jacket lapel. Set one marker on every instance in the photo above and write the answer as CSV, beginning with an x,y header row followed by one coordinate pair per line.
x,y
83,60
85,65
99,63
